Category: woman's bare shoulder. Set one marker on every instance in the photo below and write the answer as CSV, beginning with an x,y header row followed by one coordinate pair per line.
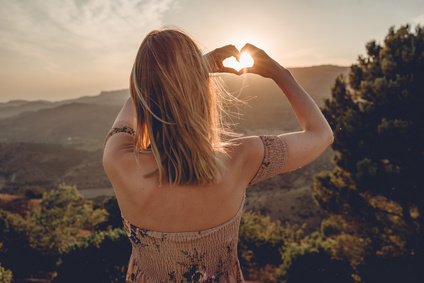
x,y
247,154
118,154
247,146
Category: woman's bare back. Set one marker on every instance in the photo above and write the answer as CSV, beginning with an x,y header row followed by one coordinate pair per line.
x,y
175,208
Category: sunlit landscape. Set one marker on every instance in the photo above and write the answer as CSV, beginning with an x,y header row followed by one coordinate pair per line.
x,y
353,215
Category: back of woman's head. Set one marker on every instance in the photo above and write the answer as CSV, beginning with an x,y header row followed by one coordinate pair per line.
x,y
178,111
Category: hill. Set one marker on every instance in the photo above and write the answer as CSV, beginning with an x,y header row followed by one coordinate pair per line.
x,y
46,143
16,107
80,125
47,165
83,122
13,108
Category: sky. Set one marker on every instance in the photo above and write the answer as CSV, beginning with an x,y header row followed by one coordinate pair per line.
x,y
55,50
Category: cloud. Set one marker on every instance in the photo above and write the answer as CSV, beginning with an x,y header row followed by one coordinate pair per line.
x,y
60,32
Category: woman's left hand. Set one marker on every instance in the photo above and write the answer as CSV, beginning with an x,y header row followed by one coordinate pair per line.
x,y
217,56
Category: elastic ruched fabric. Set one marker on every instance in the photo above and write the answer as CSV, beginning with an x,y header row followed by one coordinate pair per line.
x,y
202,256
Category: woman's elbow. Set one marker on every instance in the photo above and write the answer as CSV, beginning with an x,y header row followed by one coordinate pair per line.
x,y
330,137
326,138
327,135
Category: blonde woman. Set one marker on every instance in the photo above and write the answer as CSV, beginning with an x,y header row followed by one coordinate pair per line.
x,y
180,187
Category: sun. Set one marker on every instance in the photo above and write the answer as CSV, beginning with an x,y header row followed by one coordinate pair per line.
x,y
245,62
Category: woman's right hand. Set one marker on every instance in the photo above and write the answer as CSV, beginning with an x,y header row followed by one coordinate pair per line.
x,y
216,57
263,65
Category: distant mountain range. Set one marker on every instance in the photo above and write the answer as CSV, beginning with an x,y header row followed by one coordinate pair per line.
x,y
15,107
83,122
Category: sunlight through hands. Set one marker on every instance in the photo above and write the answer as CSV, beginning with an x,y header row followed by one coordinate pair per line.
x,y
245,62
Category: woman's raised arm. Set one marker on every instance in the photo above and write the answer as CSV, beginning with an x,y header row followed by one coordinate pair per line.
x,y
126,116
306,145
120,140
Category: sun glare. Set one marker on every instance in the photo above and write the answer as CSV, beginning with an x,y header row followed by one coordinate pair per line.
x,y
245,62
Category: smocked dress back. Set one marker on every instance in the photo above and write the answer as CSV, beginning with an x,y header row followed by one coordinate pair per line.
x,y
203,256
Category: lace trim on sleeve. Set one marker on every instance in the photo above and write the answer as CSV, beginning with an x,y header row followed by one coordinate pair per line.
x,y
275,158
119,129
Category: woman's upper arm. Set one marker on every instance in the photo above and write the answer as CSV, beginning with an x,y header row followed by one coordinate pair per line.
x,y
303,147
263,157
118,150
268,156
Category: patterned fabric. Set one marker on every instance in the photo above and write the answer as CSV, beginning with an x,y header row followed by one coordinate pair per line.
x,y
275,158
202,256
120,129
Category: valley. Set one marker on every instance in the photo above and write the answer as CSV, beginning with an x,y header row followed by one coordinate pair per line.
x,y
48,143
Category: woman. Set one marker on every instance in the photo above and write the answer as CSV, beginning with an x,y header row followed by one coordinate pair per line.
x,y
179,186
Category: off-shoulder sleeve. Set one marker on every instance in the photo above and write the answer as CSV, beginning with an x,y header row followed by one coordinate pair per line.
x,y
119,129
275,158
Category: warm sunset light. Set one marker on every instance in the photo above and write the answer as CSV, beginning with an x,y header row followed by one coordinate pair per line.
x,y
245,61
67,49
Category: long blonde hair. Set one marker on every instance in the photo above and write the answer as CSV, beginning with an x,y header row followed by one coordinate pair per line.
x,y
178,109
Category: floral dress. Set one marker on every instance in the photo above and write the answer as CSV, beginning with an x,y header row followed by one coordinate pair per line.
x,y
202,256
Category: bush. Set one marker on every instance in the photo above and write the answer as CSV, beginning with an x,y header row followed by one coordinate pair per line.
x,y
5,275
260,240
114,220
32,192
390,270
17,252
31,246
312,261
101,257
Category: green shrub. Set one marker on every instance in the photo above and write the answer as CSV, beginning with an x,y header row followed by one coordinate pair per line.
x,y
114,220
260,241
5,275
312,261
30,247
101,257
17,252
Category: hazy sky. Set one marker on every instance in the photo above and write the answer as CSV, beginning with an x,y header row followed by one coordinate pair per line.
x,y
55,50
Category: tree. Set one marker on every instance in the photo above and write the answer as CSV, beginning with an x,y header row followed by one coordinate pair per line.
x,y
59,218
101,257
260,243
375,195
312,261
31,245
17,253
114,219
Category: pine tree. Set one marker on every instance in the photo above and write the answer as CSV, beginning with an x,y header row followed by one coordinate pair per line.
x,y
375,196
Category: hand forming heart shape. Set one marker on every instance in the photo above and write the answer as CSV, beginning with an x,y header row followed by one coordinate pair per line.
x,y
245,62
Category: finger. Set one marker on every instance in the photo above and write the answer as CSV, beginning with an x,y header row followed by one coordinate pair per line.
x,y
247,70
228,70
229,51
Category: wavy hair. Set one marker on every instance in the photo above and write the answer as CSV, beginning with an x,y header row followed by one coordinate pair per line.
x,y
179,109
